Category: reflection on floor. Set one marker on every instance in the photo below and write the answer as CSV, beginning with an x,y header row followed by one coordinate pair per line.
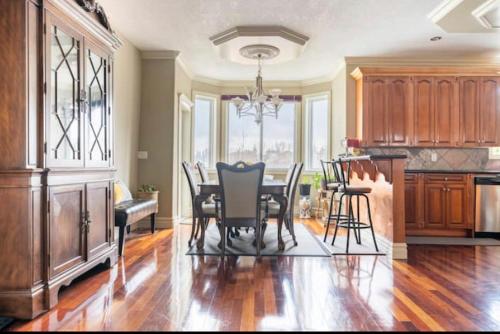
x,y
155,286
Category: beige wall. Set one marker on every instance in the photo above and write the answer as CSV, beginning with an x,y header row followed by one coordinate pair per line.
x,y
127,106
339,107
157,129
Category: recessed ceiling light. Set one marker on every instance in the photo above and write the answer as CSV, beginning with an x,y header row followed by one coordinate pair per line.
x,y
436,38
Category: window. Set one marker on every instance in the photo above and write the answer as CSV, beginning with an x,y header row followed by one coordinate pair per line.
x,y
316,131
203,133
273,141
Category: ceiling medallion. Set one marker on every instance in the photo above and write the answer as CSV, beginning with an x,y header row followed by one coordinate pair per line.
x,y
258,103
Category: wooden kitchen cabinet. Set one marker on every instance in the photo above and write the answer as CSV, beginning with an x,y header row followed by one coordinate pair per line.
x,y
447,207
436,112
387,110
427,107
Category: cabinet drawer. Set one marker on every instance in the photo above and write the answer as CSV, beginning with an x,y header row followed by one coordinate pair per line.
x,y
445,178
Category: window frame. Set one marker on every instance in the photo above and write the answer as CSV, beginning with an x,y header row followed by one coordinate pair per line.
x,y
307,130
296,136
214,100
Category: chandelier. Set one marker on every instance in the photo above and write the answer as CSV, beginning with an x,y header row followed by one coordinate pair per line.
x,y
258,103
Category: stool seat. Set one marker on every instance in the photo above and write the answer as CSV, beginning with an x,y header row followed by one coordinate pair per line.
x,y
333,186
355,190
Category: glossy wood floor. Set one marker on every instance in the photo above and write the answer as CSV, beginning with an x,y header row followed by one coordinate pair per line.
x,y
156,286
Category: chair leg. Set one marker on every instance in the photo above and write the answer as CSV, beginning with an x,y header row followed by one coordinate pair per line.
x,y
193,229
223,240
339,212
153,223
329,216
351,216
257,237
121,240
357,221
128,229
292,229
371,223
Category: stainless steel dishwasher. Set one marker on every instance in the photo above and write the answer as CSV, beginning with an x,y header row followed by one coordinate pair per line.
x,y
487,204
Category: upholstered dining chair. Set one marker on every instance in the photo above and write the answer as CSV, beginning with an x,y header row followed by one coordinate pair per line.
x,y
210,210
273,208
240,198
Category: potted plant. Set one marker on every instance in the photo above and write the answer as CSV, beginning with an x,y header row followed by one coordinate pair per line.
x,y
148,191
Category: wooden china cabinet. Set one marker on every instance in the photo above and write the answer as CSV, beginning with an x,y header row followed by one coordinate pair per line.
x,y
56,149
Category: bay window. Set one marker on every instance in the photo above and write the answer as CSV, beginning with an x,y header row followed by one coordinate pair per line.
x,y
203,130
316,130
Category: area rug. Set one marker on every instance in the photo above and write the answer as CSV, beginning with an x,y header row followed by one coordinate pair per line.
x,y
308,245
366,248
450,241
4,322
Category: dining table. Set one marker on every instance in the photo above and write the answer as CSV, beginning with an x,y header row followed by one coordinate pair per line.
x,y
273,188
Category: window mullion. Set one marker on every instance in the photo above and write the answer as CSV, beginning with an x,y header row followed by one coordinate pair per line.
x,y
261,155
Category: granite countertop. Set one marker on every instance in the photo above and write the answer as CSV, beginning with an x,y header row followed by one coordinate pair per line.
x,y
373,157
455,171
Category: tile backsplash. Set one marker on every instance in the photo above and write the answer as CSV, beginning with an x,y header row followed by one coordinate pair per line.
x,y
447,158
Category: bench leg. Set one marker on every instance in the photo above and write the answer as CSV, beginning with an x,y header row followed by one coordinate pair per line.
x,y
153,221
121,240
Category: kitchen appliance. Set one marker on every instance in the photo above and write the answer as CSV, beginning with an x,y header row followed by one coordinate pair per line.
x,y
487,205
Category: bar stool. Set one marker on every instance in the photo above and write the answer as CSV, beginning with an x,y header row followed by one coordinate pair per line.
x,y
332,184
343,169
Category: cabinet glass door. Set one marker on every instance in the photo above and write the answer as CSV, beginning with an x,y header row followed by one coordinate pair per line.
x,y
64,126
96,123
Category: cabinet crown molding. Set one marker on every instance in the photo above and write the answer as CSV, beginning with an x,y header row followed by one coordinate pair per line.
x,y
491,70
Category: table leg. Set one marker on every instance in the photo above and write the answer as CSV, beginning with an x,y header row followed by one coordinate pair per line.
x,y
283,202
199,209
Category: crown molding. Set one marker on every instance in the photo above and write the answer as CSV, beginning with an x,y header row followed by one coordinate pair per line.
x,y
95,28
443,9
259,31
402,61
480,12
184,67
160,54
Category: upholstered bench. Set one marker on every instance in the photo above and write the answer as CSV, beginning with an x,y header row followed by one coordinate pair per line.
x,y
129,211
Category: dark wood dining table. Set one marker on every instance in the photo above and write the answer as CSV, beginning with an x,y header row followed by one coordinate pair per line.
x,y
274,188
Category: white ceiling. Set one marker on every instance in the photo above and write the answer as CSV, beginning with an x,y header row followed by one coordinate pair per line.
x,y
337,28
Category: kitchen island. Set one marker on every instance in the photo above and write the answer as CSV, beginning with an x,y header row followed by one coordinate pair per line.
x,y
385,175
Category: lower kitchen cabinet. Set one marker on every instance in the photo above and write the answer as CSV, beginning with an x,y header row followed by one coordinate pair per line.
x,y
439,204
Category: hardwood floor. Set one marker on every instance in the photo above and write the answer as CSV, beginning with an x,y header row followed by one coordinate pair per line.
x,y
155,286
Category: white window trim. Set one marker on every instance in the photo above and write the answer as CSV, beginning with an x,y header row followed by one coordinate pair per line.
x,y
296,153
215,99
492,154
307,132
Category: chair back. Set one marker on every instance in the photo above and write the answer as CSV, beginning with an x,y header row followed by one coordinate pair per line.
x,y
342,170
240,193
188,170
293,188
203,172
289,176
329,171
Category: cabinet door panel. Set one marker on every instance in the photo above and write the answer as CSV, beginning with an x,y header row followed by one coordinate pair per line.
x,y
398,112
424,111
490,111
63,79
469,111
66,237
434,206
456,206
411,204
98,205
446,112
378,124
96,110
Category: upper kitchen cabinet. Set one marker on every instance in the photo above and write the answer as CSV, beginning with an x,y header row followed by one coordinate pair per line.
x,y
386,109
436,113
427,107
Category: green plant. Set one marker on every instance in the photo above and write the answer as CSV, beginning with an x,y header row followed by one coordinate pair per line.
x,y
314,180
148,188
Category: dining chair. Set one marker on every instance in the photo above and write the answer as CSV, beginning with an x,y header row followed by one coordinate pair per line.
x,y
273,208
210,210
203,171
240,198
331,185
